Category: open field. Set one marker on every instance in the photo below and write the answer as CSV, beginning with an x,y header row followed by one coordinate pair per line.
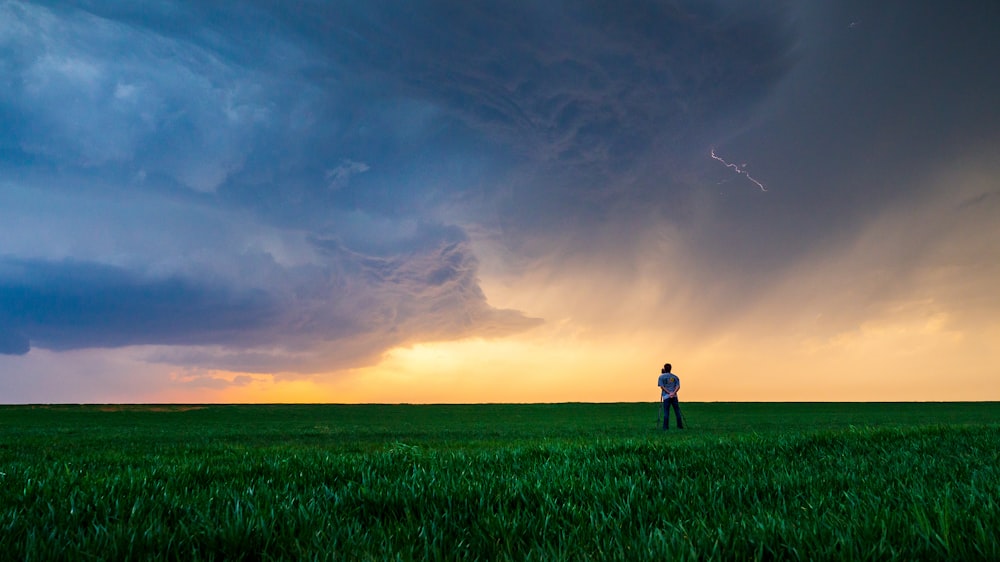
x,y
496,482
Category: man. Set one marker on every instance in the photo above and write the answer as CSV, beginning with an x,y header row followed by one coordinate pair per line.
x,y
670,384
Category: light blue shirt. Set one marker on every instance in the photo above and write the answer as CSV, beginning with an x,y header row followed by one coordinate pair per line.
x,y
670,382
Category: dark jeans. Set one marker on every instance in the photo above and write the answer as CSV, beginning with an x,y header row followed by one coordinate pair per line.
x,y
677,412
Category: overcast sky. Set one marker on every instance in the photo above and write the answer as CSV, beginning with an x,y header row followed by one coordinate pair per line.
x,y
403,201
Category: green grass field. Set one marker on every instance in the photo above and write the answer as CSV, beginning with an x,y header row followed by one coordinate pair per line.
x,y
500,482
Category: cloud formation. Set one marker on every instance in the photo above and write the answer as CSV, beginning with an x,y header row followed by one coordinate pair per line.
x,y
174,112
259,189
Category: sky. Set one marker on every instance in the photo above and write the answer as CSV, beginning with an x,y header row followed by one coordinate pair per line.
x,y
485,201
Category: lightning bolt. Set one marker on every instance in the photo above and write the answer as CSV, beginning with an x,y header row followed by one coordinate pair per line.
x,y
738,170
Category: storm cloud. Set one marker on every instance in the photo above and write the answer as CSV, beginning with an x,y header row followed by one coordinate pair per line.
x,y
357,132
269,188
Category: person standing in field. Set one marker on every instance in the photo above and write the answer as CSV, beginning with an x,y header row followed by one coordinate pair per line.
x,y
670,384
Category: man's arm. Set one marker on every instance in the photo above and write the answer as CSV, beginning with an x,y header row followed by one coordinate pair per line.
x,y
677,388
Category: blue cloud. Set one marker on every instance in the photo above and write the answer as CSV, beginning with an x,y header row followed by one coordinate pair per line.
x,y
71,305
255,314
264,188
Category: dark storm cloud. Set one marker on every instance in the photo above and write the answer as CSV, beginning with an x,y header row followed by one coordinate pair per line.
x,y
352,155
350,314
69,305
350,133
141,137
567,106
349,306
580,102
12,340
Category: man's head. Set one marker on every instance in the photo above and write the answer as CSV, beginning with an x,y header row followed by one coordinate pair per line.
x,y
666,367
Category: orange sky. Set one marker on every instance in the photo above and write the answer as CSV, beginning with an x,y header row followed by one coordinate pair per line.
x,y
904,362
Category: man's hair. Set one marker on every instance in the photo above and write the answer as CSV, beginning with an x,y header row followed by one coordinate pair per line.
x,y
666,367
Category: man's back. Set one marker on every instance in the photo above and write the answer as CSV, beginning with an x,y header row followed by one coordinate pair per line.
x,y
669,382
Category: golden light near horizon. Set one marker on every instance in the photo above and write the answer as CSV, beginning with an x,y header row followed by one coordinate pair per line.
x,y
516,370
878,363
